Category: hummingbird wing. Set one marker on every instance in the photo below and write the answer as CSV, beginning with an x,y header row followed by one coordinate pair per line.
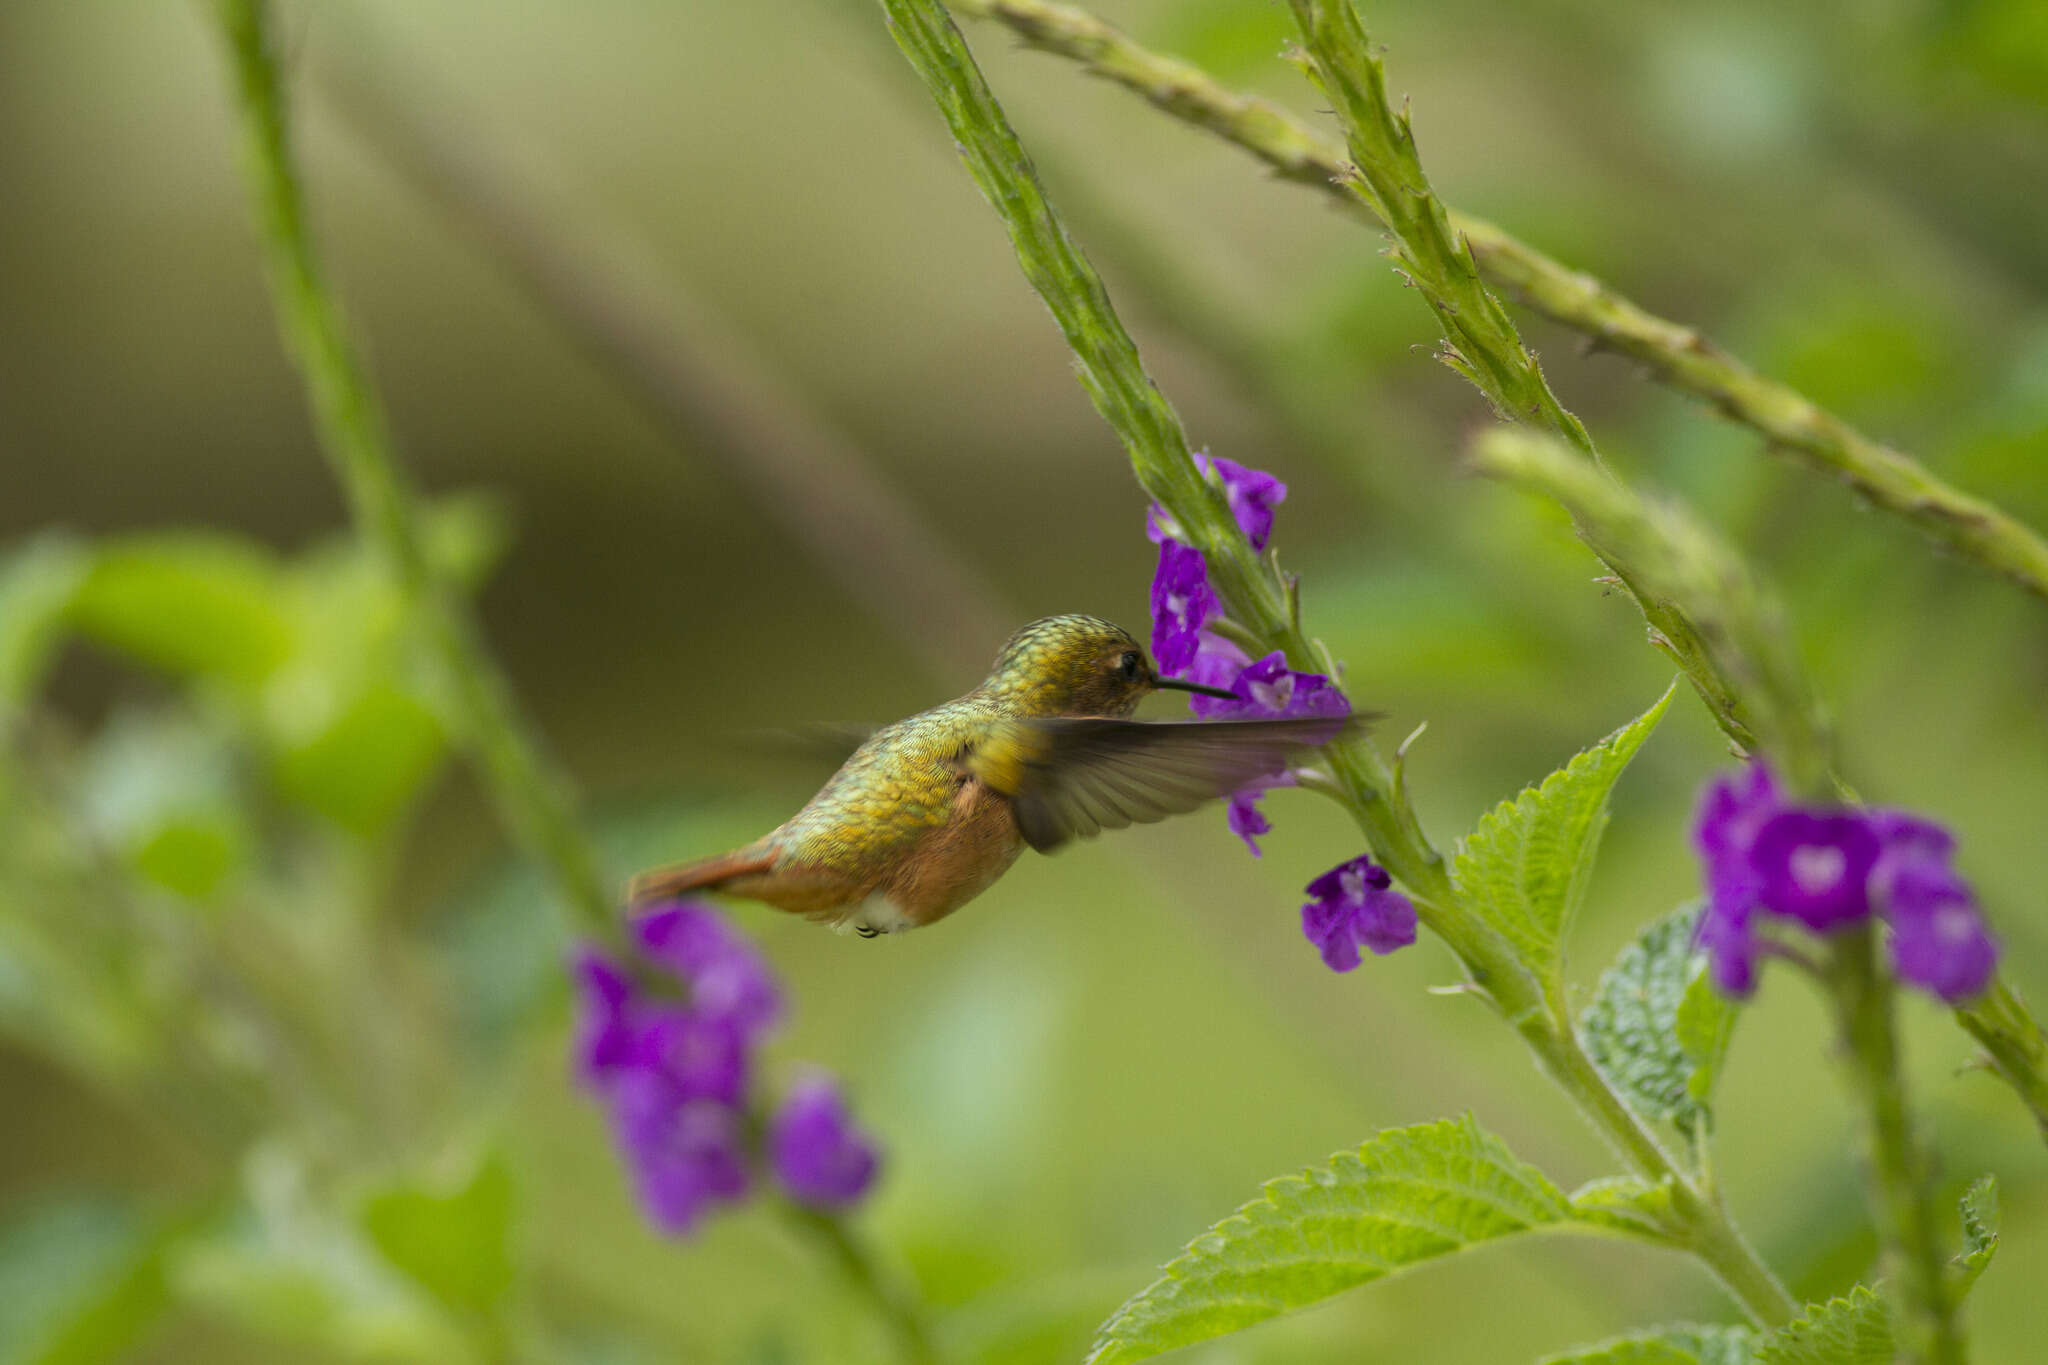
x,y
1073,777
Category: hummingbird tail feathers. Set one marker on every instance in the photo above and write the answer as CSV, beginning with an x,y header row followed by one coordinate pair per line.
x,y
706,874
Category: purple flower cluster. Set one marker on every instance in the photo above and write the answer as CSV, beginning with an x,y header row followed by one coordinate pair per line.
x,y
1354,905
1184,603
673,1072
1827,869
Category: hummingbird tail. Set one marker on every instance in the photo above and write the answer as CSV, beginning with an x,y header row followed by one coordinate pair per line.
x,y
707,874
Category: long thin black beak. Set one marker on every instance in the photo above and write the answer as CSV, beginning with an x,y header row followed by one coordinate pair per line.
x,y
1201,689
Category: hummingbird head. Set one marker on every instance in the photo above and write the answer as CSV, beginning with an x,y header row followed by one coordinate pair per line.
x,y
1078,666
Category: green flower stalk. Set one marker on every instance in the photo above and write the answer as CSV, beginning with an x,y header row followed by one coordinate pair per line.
x,y
349,422
1265,605
531,798
1674,353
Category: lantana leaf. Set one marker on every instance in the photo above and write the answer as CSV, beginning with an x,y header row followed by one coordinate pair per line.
x,y
1626,1203
1855,1330
1656,1028
1679,1344
1527,865
1407,1196
1980,1230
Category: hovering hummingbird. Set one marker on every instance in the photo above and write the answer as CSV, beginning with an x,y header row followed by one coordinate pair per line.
x,y
930,811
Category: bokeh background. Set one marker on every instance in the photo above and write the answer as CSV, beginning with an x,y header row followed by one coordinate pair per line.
x,y
1115,1046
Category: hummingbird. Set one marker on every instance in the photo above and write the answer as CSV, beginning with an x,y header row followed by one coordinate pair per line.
x,y
931,810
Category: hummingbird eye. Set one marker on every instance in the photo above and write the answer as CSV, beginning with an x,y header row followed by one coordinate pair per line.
x,y
1128,665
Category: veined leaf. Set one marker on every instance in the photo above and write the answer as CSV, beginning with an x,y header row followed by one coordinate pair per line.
x,y
1656,1028
1680,1344
1527,865
1855,1330
1626,1203
1980,1231
1409,1195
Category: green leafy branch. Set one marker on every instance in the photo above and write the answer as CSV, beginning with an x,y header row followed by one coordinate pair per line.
x,y
349,422
532,799
1265,603
1674,353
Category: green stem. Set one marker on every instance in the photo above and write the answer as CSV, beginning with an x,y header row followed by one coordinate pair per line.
x,y
1924,1309
2014,1043
894,1306
1114,377
531,798
1674,353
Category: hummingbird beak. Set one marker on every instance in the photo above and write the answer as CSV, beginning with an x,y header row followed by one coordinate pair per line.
x,y
1200,689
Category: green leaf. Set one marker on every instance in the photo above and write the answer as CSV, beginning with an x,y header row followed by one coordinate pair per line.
x,y
38,581
1409,1195
455,1243
1705,1024
1856,1330
1980,1231
1626,1203
1656,1028
363,767
189,603
80,1279
1679,1344
161,788
1527,865
286,1268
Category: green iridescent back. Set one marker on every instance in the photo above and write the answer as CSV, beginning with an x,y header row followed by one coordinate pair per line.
x,y
904,780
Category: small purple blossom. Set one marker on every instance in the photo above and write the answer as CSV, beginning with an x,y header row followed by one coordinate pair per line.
x,y
1815,866
727,976
1944,948
1826,869
1245,818
673,1068
1353,905
817,1152
1270,689
1182,603
1251,493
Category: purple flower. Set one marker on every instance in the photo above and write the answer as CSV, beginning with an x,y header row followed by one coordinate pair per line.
x,y
1245,818
727,977
1182,603
606,1037
817,1153
1944,948
701,1055
1251,493
1354,904
672,1070
1815,866
1269,688
686,1155
1826,869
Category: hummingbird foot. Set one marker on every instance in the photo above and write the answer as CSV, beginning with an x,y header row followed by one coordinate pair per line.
x,y
867,931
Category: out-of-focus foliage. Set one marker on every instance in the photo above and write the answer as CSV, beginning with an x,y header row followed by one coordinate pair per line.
x,y
284,1038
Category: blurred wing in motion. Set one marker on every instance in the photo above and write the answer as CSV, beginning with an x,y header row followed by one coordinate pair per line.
x,y
1072,778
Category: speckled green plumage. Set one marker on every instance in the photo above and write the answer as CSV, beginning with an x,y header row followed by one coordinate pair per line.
x,y
898,785
904,781
930,811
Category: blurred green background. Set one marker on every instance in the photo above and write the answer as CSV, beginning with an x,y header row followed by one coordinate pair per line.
x,y
228,802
